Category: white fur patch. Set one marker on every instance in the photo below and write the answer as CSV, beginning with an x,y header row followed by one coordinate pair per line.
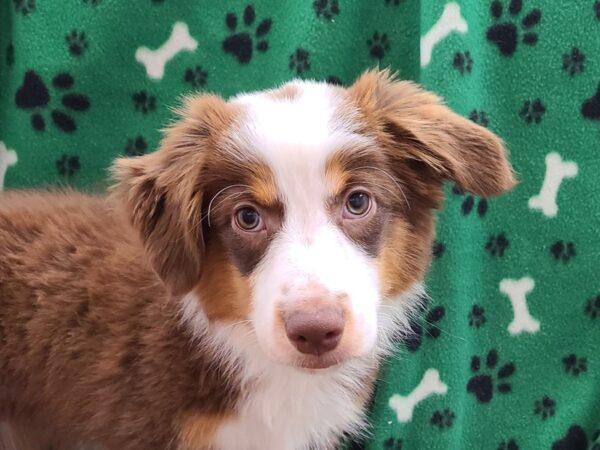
x,y
286,408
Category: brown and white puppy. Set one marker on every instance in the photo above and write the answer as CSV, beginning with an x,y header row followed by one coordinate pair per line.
x,y
240,285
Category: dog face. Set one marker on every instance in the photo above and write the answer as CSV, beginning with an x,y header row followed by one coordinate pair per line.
x,y
305,212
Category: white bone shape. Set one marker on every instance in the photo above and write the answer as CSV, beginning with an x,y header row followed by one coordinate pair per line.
x,y
556,171
155,60
8,158
517,291
450,21
405,405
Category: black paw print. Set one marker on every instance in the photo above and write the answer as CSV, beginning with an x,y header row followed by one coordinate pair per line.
x,y
327,9
438,249
241,44
511,444
469,202
505,35
442,419
430,328
462,62
592,307
563,251
196,76
34,96
597,9
497,244
10,54
144,102
77,43
482,386
575,439
532,111
24,7
299,61
92,2
573,62
378,45
479,117
392,2
332,79
136,147
68,166
477,316
590,108
574,364
546,407
392,444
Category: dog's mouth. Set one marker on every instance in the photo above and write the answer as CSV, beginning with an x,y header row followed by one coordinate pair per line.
x,y
322,362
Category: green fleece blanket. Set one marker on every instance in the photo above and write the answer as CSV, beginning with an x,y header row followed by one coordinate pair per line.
x,y
507,353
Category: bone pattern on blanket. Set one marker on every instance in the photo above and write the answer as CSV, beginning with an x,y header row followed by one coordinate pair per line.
x,y
517,291
450,21
8,158
429,385
556,171
156,60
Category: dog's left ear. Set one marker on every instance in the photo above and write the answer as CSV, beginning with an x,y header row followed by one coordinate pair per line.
x,y
417,125
161,193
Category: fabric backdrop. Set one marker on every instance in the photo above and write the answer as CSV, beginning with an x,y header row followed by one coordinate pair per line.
x,y
507,353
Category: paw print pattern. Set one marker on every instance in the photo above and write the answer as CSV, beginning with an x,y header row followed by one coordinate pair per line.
x,y
575,439
10,55
505,35
430,328
497,244
144,102
67,166
326,9
563,251
136,147
590,108
511,444
482,385
92,2
378,45
574,364
479,117
34,96
545,408
195,76
463,62
592,307
299,61
392,2
25,7
532,111
442,419
597,9
438,249
241,44
573,62
477,316
469,202
77,43
392,444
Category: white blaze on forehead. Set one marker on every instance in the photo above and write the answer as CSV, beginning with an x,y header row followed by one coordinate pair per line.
x,y
295,137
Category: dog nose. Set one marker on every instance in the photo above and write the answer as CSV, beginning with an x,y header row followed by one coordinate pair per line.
x,y
315,332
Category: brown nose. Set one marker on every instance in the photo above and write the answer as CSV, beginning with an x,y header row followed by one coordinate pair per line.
x,y
317,331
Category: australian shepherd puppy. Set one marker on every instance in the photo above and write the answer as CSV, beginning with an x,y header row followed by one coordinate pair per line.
x,y
238,287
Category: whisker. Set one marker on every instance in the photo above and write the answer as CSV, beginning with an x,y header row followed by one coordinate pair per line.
x,y
219,193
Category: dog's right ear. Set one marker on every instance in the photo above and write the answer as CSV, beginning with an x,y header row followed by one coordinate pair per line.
x,y
161,193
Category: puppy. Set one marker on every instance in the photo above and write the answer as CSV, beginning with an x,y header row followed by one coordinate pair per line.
x,y
238,287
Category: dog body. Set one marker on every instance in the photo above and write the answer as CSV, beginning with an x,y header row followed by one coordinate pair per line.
x,y
239,287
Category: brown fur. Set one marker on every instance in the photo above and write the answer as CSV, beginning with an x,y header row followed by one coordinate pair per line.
x,y
92,347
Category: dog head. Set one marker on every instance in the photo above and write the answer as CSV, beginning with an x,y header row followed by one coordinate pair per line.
x,y
305,212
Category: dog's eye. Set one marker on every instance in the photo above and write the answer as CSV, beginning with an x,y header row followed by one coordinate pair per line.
x,y
358,204
248,219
